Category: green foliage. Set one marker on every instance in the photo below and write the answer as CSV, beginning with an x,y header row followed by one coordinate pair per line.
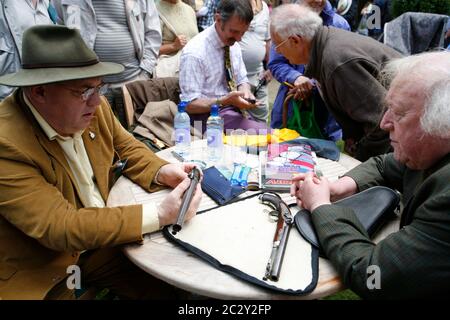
x,y
399,7
343,295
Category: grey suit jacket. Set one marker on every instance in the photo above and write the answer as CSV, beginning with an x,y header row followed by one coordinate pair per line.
x,y
413,262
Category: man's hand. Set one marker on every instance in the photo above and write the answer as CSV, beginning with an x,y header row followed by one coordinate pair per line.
x,y
311,192
267,75
343,188
302,88
173,173
170,206
247,90
180,42
337,190
238,99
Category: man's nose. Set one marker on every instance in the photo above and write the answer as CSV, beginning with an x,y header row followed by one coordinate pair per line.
x,y
386,123
94,99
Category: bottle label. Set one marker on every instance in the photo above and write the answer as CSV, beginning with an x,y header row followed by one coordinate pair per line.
x,y
214,138
182,135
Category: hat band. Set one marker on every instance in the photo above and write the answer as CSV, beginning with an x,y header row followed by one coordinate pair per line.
x,y
60,65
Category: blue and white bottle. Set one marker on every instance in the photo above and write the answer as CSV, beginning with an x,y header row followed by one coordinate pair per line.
x,y
214,135
182,126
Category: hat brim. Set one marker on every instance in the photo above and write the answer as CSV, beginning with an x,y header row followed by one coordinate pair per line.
x,y
32,77
343,8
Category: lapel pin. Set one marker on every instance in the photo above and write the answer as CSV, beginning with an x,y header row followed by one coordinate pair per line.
x,y
91,135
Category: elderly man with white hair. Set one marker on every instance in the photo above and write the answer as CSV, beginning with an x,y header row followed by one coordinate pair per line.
x,y
413,262
346,67
284,72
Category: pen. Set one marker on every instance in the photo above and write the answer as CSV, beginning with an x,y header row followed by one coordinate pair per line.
x,y
290,85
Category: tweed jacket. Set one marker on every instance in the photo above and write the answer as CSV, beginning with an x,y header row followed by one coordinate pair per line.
x,y
413,262
347,66
43,225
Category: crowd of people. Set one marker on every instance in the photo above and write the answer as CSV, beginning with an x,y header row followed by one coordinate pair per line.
x,y
63,65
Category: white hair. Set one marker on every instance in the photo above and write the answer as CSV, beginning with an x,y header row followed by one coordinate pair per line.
x,y
436,116
291,19
431,72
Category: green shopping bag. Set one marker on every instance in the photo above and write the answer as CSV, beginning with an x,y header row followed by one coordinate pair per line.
x,y
303,120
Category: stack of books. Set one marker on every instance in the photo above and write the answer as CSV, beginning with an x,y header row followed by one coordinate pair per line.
x,y
281,162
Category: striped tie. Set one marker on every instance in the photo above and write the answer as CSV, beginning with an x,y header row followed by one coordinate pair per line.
x,y
229,69
230,76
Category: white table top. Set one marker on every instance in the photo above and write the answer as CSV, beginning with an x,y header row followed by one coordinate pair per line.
x,y
172,264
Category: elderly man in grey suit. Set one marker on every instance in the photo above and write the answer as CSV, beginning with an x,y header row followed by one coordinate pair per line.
x,y
413,262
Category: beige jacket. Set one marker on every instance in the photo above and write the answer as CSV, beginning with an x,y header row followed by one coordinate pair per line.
x,y
43,225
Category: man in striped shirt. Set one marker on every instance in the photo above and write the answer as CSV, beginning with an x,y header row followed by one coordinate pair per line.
x,y
125,32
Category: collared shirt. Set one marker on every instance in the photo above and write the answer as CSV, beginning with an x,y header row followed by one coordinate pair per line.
x,y
202,70
80,165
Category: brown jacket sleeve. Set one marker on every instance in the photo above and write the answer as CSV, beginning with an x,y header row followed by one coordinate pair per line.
x,y
38,195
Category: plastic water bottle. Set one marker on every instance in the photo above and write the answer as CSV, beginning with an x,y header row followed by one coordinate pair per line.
x,y
182,125
214,134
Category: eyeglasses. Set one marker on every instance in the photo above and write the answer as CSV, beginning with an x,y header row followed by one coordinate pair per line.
x,y
281,43
86,94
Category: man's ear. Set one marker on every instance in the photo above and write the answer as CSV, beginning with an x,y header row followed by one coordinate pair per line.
x,y
296,39
38,93
216,17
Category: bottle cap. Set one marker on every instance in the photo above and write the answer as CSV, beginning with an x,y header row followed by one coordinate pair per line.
x,y
182,106
215,110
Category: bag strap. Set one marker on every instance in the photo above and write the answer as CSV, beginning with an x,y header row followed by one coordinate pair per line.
x,y
286,109
167,23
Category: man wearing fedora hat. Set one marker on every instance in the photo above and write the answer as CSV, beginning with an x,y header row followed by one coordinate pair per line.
x,y
58,141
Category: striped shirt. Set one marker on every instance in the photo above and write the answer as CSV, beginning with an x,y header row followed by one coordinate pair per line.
x,y
114,42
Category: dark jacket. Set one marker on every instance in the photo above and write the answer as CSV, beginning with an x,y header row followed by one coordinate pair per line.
x,y
413,262
283,71
347,66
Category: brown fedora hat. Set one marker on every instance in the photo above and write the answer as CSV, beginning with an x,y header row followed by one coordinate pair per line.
x,y
53,53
